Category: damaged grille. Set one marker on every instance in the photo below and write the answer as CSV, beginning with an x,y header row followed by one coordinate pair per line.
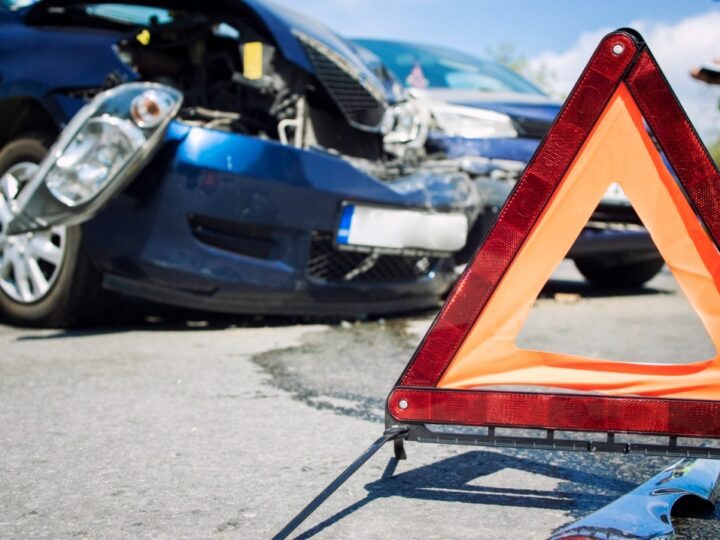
x,y
361,104
328,263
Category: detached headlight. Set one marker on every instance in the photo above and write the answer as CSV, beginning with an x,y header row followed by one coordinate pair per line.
x,y
98,152
96,155
116,129
473,123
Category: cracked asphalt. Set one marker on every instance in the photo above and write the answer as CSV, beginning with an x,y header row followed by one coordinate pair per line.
x,y
207,427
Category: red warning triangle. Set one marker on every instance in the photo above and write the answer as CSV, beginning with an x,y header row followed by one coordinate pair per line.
x,y
600,137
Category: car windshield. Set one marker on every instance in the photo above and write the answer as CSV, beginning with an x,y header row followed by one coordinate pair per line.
x,y
422,66
131,14
13,5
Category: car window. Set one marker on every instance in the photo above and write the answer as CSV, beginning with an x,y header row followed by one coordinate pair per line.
x,y
132,14
129,13
423,66
13,5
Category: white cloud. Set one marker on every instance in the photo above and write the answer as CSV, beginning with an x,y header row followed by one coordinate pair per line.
x,y
678,47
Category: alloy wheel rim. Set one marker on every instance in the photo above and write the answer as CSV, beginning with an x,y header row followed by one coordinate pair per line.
x,y
29,263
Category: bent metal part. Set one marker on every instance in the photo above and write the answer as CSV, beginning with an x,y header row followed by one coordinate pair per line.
x,y
448,392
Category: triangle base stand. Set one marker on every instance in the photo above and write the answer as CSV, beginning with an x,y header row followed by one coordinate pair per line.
x,y
492,437
550,439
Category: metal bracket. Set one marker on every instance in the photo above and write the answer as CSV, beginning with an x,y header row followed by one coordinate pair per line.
x,y
551,441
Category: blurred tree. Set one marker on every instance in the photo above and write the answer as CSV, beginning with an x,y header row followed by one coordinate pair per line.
x,y
714,149
507,55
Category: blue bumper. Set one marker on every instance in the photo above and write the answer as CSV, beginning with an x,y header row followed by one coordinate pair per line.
x,y
515,149
231,223
592,242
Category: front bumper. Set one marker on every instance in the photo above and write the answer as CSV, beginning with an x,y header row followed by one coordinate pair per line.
x,y
594,243
614,230
231,223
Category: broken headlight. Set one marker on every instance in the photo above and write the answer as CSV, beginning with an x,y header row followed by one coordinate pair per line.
x,y
96,155
472,123
104,144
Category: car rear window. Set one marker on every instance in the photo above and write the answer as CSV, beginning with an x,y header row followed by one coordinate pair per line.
x,y
13,5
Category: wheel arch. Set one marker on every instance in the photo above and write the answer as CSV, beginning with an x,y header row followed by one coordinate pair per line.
x,y
22,115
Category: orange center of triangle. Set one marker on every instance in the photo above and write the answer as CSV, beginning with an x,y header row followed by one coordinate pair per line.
x,y
620,150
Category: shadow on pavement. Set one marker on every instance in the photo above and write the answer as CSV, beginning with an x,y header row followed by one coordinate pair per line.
x,y
586,290
455,480
130,315
133,316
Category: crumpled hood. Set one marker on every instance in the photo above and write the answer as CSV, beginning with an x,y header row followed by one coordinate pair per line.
x,y
280,21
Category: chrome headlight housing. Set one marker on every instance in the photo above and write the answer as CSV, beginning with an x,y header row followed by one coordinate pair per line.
x,y
406,125
96,155
472,123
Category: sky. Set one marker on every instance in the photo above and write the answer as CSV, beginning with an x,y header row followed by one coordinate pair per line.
x,y
558,36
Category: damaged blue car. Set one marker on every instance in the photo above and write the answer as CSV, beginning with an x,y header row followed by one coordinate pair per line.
x,y
229,156
492,120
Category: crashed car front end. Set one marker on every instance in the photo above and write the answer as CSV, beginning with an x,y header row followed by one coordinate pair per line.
x,y
490,121
493,141
225,230
288,182
497,158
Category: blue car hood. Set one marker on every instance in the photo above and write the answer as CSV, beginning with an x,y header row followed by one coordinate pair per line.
x,y
526,106
280,21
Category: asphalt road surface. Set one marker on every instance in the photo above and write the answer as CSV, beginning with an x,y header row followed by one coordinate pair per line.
x,y
226,428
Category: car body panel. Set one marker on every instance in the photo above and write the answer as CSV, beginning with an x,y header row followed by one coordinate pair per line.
x,y
280,22
34,51
515,149
647,511
243,181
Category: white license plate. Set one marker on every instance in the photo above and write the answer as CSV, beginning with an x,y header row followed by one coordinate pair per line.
x,y
615,195
394,228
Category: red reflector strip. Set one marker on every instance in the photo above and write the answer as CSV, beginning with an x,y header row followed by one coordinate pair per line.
x,y
557,411
678,139
523,208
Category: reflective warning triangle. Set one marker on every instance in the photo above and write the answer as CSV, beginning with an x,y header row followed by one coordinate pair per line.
x,y
600,137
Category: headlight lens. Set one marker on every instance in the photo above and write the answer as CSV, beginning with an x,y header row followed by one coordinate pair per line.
x,y
93,158
107,140
473,123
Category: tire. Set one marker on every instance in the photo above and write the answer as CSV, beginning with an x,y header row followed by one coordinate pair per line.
x,y
74,293
614,273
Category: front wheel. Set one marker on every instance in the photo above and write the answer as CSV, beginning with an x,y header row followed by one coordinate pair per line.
x,y
46,279
619,273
